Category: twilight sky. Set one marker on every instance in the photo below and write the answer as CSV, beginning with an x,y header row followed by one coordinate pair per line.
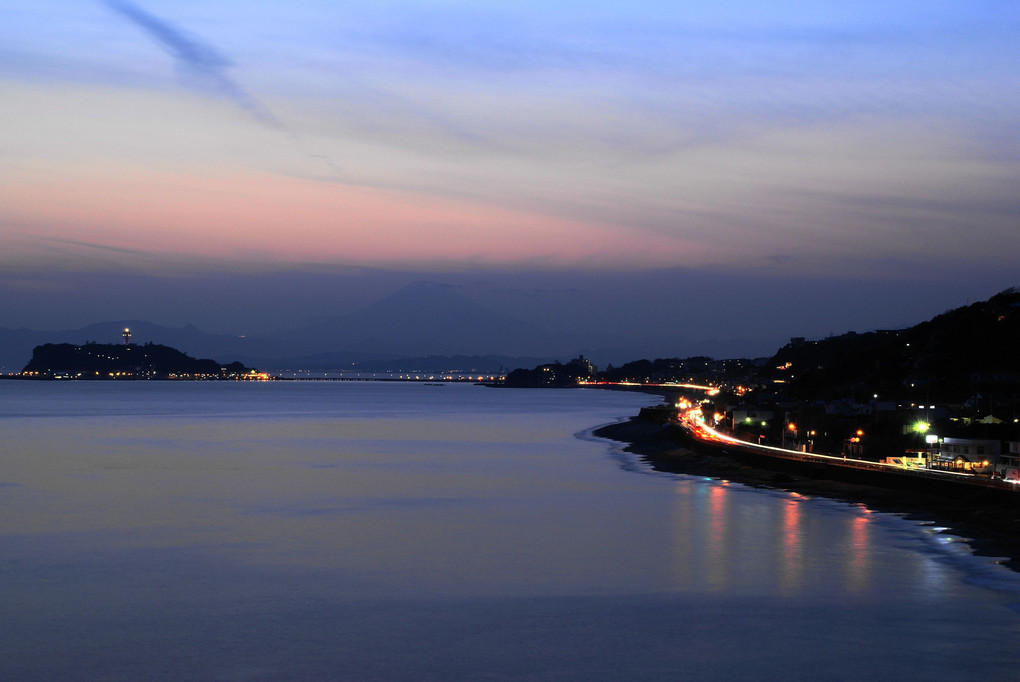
x,y
243,165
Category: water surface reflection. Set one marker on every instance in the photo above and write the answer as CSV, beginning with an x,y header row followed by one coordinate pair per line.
x,y
728,537
399,532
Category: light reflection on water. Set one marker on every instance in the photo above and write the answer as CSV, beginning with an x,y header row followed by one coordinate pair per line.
x,y
728,538
792,552
135,516
860,554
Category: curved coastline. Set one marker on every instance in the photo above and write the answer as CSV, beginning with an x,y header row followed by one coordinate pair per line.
x,y
989,529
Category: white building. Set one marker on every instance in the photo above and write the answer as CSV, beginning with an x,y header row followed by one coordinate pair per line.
x,y
968,454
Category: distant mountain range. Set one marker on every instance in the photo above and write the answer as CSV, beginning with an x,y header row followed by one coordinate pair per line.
x,y
422,326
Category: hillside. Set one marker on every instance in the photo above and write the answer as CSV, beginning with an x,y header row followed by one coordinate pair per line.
x,y
968,349
109,361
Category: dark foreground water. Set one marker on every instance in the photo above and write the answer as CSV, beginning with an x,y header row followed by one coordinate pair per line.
x,y
328,531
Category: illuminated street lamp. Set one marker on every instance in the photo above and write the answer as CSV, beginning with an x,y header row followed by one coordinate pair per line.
x,y
792,428
853,445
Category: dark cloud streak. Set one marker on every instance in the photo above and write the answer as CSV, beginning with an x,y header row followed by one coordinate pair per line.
x,y
209,68
193,57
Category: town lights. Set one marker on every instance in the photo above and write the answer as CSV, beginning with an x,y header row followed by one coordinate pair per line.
x,y
921,426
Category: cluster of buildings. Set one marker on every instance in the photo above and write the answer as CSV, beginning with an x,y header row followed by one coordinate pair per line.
x,y
956,437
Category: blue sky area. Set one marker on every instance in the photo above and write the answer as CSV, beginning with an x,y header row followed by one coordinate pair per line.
x,y
818,167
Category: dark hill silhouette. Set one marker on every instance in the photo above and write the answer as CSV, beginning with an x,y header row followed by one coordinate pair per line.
x,y
16,344
105,361
965,349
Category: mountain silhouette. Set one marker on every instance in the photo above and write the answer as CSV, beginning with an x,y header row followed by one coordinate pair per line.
x,y
421,319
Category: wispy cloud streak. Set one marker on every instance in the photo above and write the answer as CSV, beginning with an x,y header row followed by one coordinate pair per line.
x,y
195,58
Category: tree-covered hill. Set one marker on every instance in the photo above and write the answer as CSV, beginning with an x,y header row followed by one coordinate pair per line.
x,y
975,347
109,361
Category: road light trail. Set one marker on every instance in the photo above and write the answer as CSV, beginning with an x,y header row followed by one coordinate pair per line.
x,y
692,420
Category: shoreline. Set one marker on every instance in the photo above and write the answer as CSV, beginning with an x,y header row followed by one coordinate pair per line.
x,y
989,530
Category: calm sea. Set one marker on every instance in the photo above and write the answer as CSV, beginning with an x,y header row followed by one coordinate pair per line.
x,y
388,531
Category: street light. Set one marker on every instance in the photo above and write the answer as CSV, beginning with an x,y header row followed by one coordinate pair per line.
x,y
931,440
853,444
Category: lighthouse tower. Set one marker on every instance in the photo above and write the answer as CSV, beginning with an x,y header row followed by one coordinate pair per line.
x,y
127,336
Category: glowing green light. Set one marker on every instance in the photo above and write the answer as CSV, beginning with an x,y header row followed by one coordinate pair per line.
x,y
921,427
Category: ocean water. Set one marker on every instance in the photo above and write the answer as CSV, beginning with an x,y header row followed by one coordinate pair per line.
x,y
388,531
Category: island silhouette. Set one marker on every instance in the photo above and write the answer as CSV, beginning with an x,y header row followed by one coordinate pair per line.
x,y
102,361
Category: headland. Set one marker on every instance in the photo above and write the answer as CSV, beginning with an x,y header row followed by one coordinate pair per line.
x,y
127,361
